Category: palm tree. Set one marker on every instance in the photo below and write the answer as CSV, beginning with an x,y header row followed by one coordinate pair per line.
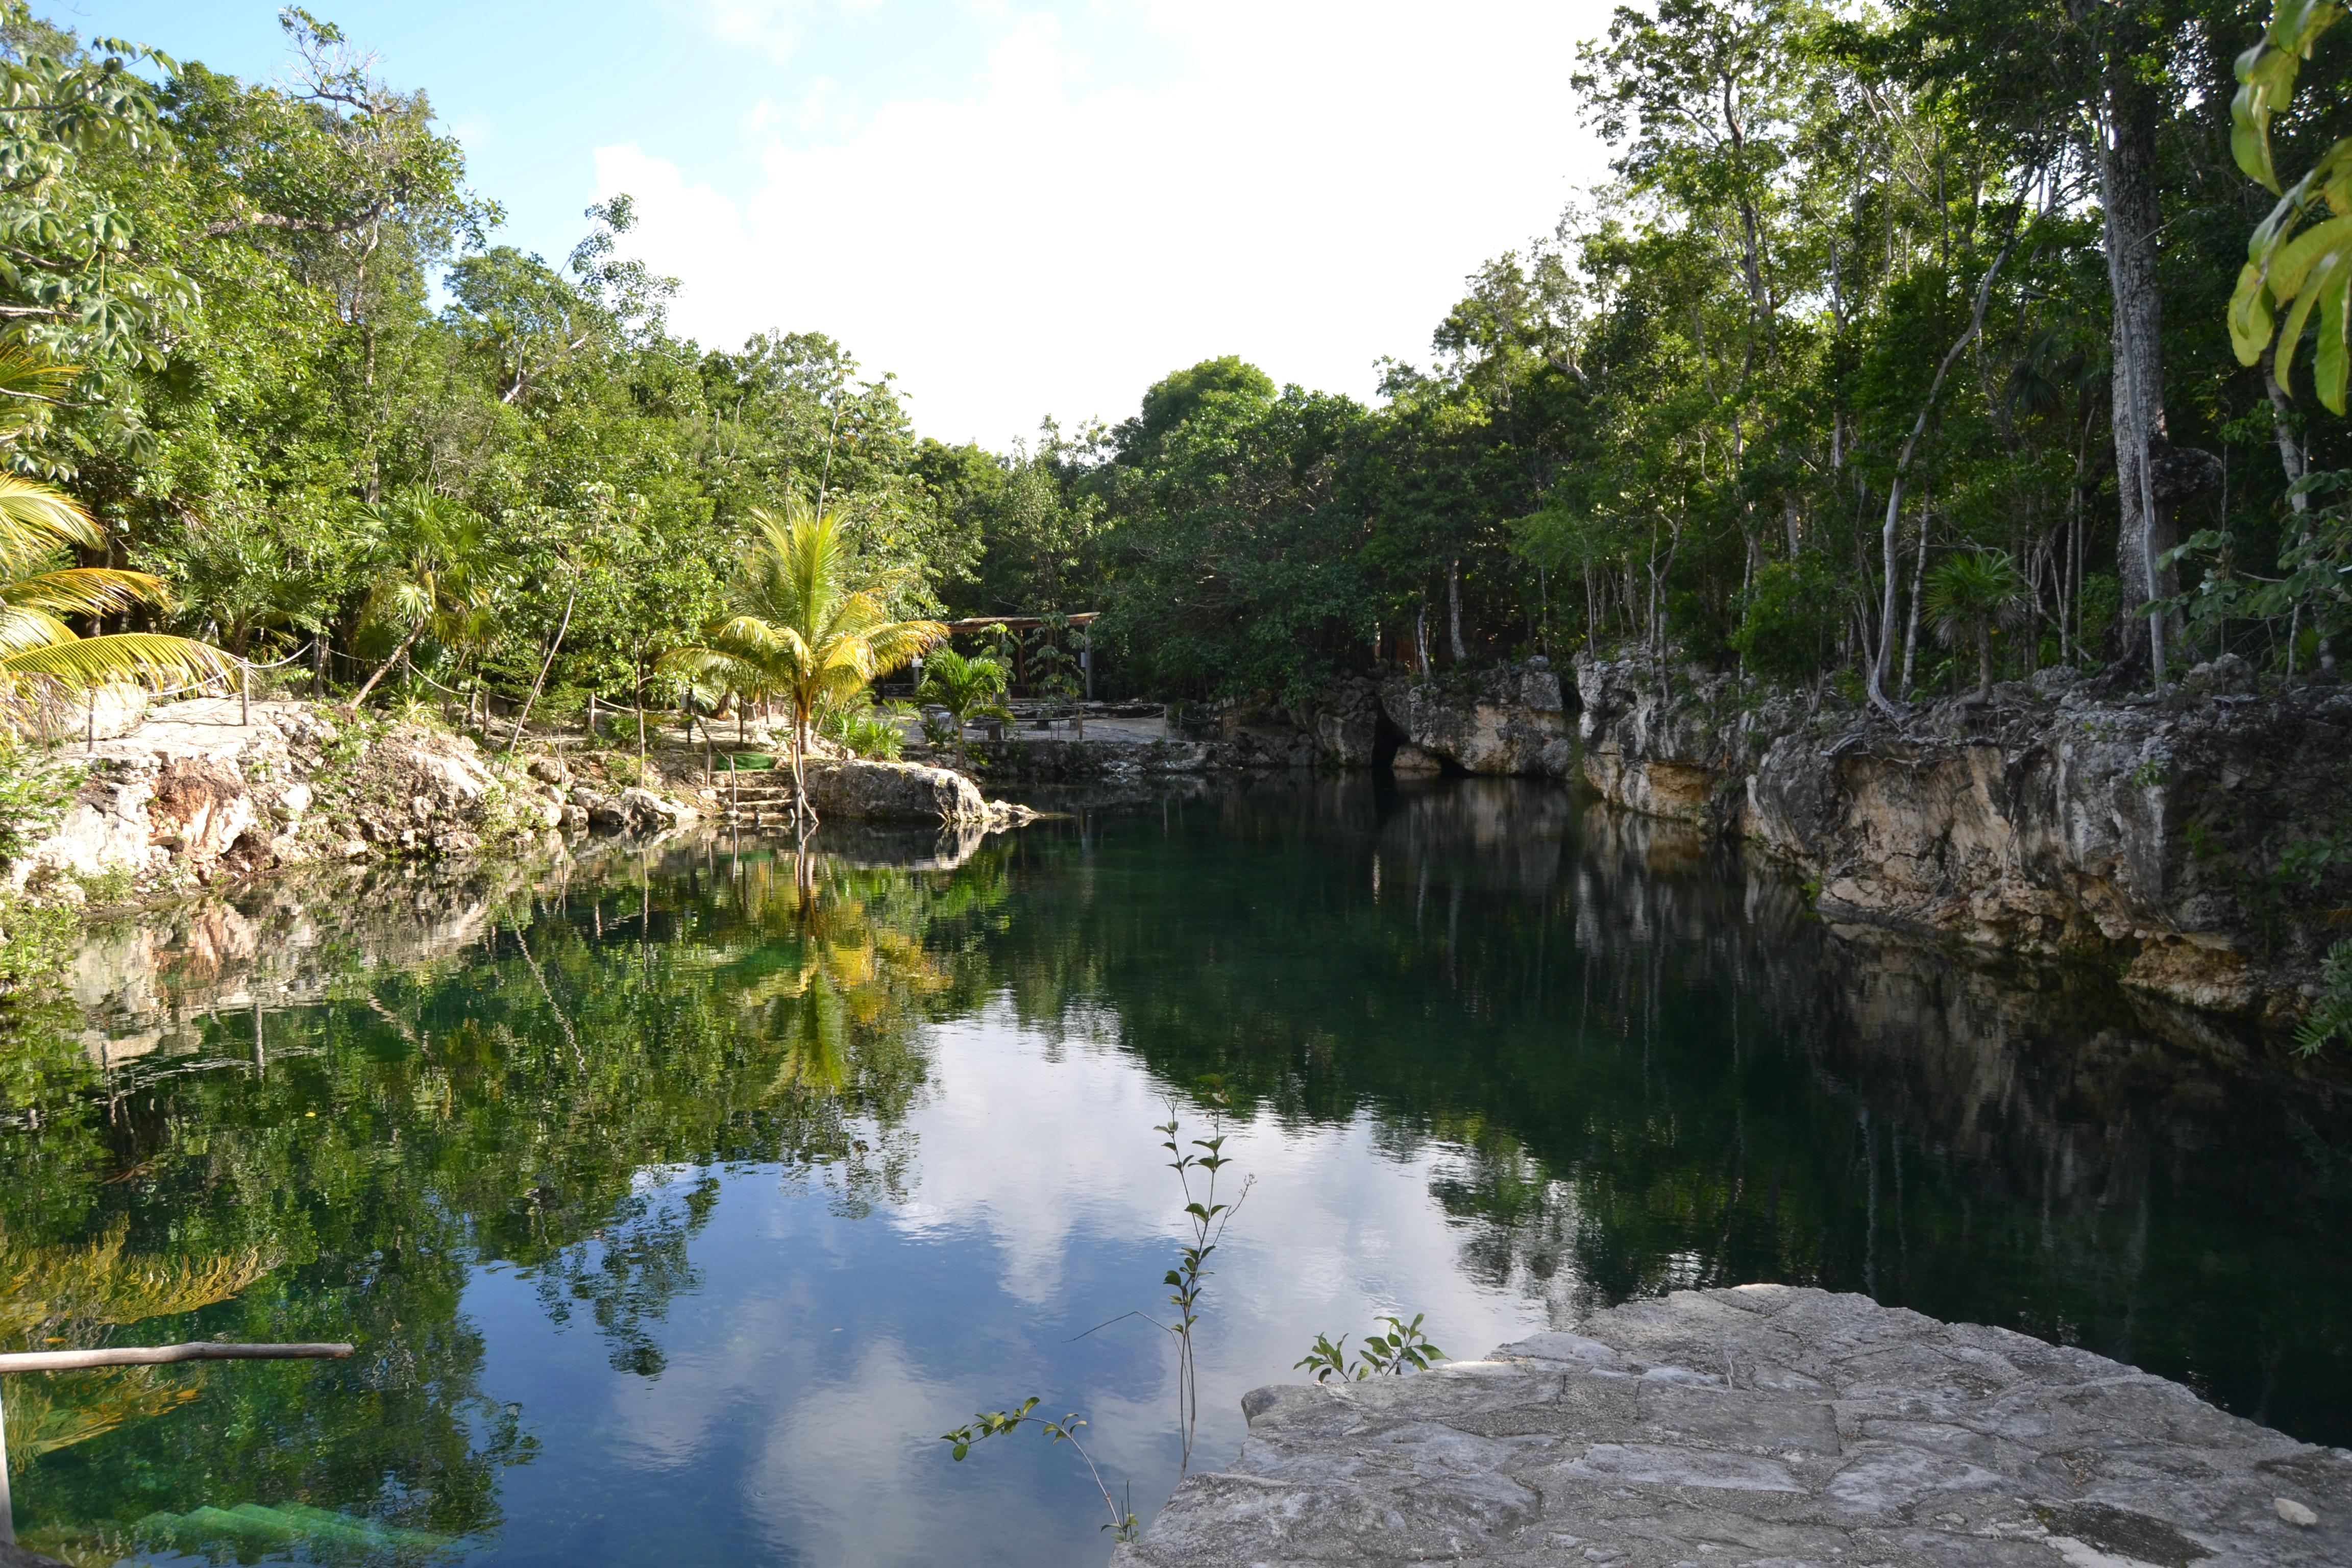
x,y
40,653
442,575
807,622
964,686
1965,595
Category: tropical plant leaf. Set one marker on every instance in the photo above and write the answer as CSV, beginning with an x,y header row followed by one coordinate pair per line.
x,y
124,656
84,591
36,520
2266,73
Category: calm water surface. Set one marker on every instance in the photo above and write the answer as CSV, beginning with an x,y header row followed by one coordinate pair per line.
x,y
678,1202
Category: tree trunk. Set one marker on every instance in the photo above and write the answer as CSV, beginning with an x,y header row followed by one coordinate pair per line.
x,y
2127,192
1984,663
1887,537
1911,625
804,815
1454,608
544,666
397,655
2292,460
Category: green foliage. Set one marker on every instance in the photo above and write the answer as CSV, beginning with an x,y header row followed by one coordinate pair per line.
x,y
35,943
1123,1526
1966,596
867,728
2330,1017
968,687
31,800
806,619
1781,635
1189,1279
2290,265
1404,1348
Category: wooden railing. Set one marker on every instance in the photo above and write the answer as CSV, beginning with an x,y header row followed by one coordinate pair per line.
x,y
132,1355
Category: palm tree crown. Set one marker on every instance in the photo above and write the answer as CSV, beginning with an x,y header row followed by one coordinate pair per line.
x,y
38,650
805,621
1965,595
443,577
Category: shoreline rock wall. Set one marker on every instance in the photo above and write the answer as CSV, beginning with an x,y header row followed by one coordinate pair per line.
x,y
2193,845
205,790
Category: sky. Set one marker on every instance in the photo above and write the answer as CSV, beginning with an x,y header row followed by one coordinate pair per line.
x,y
1018,210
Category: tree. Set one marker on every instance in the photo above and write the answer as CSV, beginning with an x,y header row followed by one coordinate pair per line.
x,y
439,573
1965,595
965,686
807,620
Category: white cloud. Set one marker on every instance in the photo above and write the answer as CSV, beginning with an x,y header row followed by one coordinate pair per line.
x,y
1309,189
773,26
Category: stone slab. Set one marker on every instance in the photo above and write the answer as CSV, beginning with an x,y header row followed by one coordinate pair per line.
x,y
1768,1425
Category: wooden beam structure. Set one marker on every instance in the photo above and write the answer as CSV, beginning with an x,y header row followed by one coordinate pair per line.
x,y
971,625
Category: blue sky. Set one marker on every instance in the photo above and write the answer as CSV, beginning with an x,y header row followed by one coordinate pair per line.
x,y
1018,209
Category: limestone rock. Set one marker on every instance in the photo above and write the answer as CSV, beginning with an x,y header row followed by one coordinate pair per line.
x,y
1768,1424
208,788
2228,675
1344,723
1513,719
2130,832
200,809
110,712
1409,760
2126,833
648,815
293,803
893,792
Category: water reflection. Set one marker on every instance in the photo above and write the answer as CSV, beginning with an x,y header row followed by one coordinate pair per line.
x,y
738,1173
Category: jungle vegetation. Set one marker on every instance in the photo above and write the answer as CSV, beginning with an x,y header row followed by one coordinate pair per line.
x,y
1833,362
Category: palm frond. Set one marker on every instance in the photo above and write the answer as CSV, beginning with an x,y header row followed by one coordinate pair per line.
x,y
85,591
26,378
38,520
124,656
26,626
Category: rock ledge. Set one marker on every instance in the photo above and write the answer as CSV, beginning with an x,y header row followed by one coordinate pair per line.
x,y
1770,1426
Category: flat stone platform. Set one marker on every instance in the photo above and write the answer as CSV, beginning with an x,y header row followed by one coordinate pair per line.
x,y
1767,1425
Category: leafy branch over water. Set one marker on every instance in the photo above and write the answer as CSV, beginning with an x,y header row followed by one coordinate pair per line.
x,y
1404,1348
997,1423
1208,1219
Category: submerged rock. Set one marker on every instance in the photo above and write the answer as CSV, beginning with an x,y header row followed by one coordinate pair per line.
x,y
1766,1424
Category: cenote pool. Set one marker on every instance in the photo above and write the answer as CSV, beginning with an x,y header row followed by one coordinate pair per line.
x,y
678,1202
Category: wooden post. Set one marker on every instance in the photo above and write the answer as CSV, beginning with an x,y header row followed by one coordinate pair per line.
x,y
89,720
244,693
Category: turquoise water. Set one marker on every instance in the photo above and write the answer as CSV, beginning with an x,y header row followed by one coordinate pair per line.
x,y
677,1203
